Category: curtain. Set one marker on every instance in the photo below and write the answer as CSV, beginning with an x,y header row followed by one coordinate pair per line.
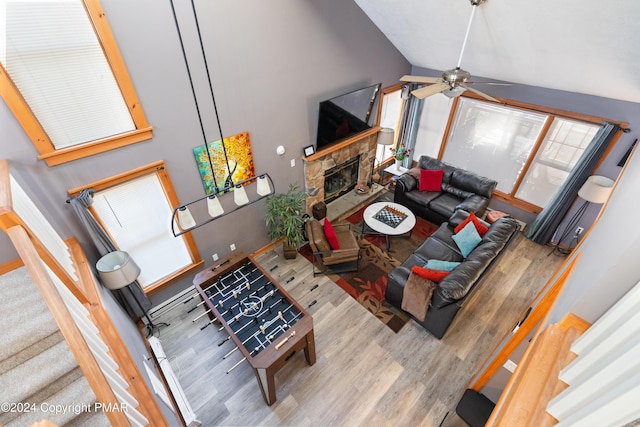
x,y
411,110
545,225
104,245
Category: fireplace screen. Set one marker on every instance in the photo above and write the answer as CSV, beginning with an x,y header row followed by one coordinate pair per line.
x,y
340,179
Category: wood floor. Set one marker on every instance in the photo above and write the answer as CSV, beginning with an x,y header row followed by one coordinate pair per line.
x,y
365,373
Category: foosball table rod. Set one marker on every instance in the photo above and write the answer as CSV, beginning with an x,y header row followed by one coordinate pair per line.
x,y
203,314
240,361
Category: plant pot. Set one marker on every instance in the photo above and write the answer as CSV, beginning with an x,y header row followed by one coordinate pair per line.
x,y
289,251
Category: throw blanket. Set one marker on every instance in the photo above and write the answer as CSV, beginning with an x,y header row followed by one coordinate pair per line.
x,y
416,296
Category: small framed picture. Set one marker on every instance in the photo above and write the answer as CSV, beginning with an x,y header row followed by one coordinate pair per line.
x,y
309,151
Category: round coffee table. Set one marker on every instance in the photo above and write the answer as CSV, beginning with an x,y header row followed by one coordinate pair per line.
x,y
376,226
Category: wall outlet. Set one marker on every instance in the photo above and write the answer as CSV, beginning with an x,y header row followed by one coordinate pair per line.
x,y
293,163
232,246
579,230
510,365
215,257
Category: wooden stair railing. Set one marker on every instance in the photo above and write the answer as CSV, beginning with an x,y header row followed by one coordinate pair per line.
x,y
66,283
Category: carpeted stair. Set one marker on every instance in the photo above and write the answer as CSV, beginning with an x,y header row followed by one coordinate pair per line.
x,y
36,365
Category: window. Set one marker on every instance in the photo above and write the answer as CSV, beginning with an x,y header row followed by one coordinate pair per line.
x,y
64,79
389,116
530,152
135,209
562,147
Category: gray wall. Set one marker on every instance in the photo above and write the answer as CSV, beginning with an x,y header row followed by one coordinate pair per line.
x,y
270,63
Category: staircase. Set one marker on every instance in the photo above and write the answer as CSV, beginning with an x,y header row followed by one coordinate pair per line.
x,y
37,369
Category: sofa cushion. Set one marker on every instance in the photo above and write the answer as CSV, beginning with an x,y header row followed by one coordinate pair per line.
x,y
469,181
426,273
480,227
431,180
330,234
422,197
456,191
437,264
433,248
427,162
455,286
445,204
467,239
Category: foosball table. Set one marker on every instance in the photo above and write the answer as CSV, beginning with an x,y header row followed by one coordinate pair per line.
x,y
267,325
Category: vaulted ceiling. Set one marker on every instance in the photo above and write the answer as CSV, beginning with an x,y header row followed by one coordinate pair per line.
x,y
584,46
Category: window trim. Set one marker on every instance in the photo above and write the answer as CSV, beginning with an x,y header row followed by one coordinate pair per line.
x,y
552,114
36,132
160,170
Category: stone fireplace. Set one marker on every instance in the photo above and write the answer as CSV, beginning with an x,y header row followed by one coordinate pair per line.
x,y
360,147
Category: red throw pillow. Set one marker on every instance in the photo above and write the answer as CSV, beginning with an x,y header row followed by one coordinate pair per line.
x,y
431,180
480,227
330,234
425,273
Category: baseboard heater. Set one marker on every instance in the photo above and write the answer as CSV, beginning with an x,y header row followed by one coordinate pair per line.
x,y
175,388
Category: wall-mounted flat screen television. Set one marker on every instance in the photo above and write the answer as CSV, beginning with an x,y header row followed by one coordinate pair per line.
x,y
345,115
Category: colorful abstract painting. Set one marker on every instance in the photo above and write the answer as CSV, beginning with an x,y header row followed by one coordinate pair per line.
x,y
237,167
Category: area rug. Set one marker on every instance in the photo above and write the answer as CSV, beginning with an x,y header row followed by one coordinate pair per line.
x,y
369,283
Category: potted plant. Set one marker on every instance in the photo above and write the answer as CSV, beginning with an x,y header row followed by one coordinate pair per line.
x,y
400,153
284,218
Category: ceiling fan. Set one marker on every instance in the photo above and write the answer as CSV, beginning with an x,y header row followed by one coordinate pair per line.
x,y
452,82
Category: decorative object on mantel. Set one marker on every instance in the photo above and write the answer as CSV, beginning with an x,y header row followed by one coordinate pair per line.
x,y
284,219
182,216
596,189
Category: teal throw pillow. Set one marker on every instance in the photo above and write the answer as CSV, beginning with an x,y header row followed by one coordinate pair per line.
x,y
467,239
436,264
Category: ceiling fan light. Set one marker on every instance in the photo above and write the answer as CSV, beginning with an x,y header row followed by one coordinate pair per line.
x,y
454,92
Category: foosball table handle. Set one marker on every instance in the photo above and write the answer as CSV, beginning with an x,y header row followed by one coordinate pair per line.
x,y
284,341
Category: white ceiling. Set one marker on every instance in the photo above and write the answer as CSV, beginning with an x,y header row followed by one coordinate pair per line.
x,y
584,46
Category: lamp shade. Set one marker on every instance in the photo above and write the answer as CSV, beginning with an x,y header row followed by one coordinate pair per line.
x,y
214,207
117,270
596,189
185,218
263,185
386,136
240,195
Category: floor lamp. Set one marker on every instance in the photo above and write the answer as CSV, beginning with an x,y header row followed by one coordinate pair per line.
x,y
386,136
117,270
596,189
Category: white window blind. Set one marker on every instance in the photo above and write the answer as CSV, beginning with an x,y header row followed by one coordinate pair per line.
x,y
492,140
137,215
560,151
53,56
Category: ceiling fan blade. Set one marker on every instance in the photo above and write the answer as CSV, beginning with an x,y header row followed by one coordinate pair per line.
x,y
423,92
420,79
482,94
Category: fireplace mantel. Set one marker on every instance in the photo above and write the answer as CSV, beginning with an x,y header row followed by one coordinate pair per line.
x,y
340,145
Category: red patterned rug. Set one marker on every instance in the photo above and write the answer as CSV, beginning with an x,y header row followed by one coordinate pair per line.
x,y
369,283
